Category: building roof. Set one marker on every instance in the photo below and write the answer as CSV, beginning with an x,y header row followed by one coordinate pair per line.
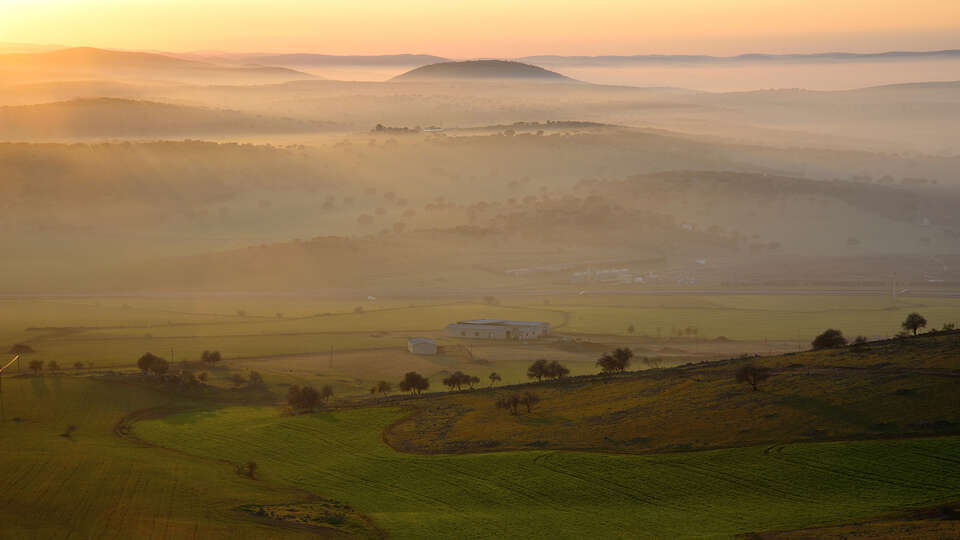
x,y
415,340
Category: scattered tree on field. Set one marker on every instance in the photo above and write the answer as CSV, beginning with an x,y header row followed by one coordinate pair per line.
x,y
829,339
53,366
303,399
556,370
255,380
151,363
753,375
510,403
914,322
238,380
326,393
36,366
529,399
459,379
78,366
210,357
414,383
538,369
494,378
949,326
383,387
616,361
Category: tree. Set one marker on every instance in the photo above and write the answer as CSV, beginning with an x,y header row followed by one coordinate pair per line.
x,y
538,370
494,378
53,366
238,380
529,399
652,362
255,380
78,366
383,387
556,370
914,322
754,375
210,357
21,348
829,339
472,381
302,398
414,383
36,366
326,393
616,361
459,379
147,362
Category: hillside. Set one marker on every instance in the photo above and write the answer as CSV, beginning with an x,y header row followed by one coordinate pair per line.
x,y
896,388
481,69
91,63
107,117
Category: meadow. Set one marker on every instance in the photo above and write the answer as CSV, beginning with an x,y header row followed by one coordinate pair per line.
x,y
715,494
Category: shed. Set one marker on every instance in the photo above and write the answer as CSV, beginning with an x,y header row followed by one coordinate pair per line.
x,y
421,345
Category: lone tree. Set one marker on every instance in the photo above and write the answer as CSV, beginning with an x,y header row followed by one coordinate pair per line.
x,y
382,387
829,339
302,399
616,361
21,348
538,369
414,383
914,322
754,375
210,357
494,378
556,370
150,363
36,366
326,393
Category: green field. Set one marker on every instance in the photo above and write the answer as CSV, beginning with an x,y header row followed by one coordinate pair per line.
x,y
98,485
566,494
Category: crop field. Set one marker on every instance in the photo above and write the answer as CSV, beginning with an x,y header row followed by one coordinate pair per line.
x,y
568,494
95,484
293,338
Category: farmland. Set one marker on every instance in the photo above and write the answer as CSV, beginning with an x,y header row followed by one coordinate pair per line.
x,y
568,494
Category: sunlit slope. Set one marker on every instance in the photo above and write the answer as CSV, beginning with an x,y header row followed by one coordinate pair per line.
x,y
96,484
568,495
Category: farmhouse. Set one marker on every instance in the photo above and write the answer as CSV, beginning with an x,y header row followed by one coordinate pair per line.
x,y
498,329
421,345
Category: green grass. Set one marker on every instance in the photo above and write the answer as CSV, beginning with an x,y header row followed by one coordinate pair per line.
x,y
98,485
540,494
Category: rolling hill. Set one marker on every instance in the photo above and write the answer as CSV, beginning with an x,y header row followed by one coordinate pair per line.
x,y
483,70
87,62
109,117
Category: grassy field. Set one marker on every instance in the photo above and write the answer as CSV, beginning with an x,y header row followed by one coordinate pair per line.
x,y
540,494
95,484
893,388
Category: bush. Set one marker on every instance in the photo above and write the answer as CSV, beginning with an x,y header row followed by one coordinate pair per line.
x,y
829,339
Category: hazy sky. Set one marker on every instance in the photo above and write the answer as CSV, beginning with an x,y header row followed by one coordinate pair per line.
x,y
471,28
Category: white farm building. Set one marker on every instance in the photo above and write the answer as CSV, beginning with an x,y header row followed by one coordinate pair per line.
x,y
421,345
498,329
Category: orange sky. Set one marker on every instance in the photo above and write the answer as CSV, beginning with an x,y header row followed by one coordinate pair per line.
x,y
505,28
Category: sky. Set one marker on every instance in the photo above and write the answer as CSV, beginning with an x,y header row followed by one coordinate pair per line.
x,y
487,28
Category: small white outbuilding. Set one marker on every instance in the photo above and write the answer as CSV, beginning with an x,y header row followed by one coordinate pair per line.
x,y
421,345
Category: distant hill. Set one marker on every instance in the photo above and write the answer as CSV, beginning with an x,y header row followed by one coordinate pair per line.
x,y
109,117
86,62
481,69
307,60
743,58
